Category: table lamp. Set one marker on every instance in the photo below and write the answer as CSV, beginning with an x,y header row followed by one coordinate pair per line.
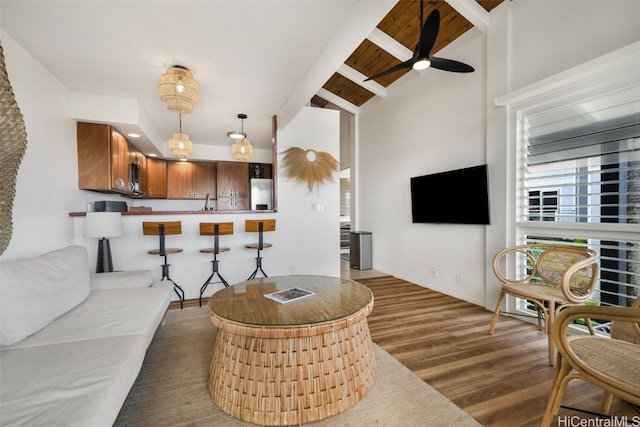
x,y
103,225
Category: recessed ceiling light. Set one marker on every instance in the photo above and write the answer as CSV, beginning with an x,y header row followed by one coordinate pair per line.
x,y
133,135
152,155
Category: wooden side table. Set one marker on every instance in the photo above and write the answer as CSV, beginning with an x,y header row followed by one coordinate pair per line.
x,y
292,363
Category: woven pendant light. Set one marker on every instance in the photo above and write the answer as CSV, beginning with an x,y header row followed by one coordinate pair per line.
x,y
242,149
179,90
179,143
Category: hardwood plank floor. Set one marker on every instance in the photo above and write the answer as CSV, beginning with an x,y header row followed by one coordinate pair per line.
x,y
500,380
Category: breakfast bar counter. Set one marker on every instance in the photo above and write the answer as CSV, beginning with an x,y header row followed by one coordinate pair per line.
x,y
295,362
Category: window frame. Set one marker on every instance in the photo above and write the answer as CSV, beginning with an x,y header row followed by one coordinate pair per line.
x,y
613,71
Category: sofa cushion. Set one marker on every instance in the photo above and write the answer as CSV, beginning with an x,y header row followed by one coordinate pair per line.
x,y
121,279
106,314
81,383
37,290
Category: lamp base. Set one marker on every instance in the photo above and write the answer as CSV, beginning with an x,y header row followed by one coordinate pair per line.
x,y
104,264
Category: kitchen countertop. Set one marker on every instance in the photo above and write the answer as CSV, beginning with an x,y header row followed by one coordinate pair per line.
x,y
191,212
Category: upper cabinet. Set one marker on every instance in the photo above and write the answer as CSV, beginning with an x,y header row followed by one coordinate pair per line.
x,y
103,159
191,180
153,178
108,163
233,186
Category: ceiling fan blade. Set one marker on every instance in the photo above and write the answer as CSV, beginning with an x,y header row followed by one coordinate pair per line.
x,y
450,65
406,65
428,35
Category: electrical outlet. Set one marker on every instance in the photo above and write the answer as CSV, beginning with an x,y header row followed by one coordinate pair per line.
x,y
434,272
459,278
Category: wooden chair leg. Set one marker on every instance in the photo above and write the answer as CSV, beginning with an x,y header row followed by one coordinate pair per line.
x,y
606,402
560,381
496,313
551,315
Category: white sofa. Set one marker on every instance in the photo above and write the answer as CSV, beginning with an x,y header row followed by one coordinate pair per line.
x,y
72,343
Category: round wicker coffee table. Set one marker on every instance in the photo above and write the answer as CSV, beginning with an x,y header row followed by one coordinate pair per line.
x,y
291,363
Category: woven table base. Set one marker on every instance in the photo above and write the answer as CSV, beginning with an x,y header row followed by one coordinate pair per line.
x,y
295,375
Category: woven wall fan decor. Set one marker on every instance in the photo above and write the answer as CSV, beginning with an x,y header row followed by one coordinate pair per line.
x,y
309,166
13,144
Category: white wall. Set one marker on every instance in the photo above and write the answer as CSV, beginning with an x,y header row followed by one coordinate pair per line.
x,y
430,122
46,188
447,121
306,241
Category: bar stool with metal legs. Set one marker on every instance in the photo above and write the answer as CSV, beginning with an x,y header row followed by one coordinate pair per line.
x,y
161,229
214,229
260,226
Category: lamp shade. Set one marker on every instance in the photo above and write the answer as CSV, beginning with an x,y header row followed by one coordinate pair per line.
x,y
179,90
180,145
103,224
242,149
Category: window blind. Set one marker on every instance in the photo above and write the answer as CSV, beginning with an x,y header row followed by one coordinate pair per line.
x,y
579,164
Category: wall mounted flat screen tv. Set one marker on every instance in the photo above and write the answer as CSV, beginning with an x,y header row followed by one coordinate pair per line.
x,y
458,196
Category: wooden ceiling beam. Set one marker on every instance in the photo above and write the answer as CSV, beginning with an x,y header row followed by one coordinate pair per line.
x,y
389,44
358,78
337,101
473,12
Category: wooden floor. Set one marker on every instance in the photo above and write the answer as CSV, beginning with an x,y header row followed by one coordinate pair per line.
x,y
500,380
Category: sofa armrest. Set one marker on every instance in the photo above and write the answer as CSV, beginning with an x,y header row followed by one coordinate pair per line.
x,y
121,279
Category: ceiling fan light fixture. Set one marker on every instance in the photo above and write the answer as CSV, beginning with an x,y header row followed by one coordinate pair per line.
x,y
242,149
179,90
421,64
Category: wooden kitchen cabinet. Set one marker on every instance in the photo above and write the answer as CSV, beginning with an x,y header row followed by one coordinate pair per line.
x,y
153,179
191,180
233,186
205,182
103,159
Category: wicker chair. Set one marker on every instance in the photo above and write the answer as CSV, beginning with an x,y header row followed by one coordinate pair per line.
x,y
610,364
557,276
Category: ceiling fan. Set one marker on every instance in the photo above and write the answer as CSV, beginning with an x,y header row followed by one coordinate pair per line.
x,y
422,58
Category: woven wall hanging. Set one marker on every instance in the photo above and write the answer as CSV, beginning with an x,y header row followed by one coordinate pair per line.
x,y
309,166
13,143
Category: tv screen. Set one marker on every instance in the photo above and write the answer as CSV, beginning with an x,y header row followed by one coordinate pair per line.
x,y
458,196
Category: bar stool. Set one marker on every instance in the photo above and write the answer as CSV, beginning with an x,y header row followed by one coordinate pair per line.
x,y
214,229
260,226
162,229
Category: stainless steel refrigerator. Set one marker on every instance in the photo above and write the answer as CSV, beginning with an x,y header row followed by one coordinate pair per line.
x,y
261,194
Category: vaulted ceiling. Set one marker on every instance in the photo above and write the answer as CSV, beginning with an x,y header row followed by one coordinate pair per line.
x,y
393,41
259,57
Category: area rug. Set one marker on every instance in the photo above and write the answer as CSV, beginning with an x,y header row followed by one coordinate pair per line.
x,y
171,389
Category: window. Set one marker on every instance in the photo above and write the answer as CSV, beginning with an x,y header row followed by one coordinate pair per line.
x,y
579,182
